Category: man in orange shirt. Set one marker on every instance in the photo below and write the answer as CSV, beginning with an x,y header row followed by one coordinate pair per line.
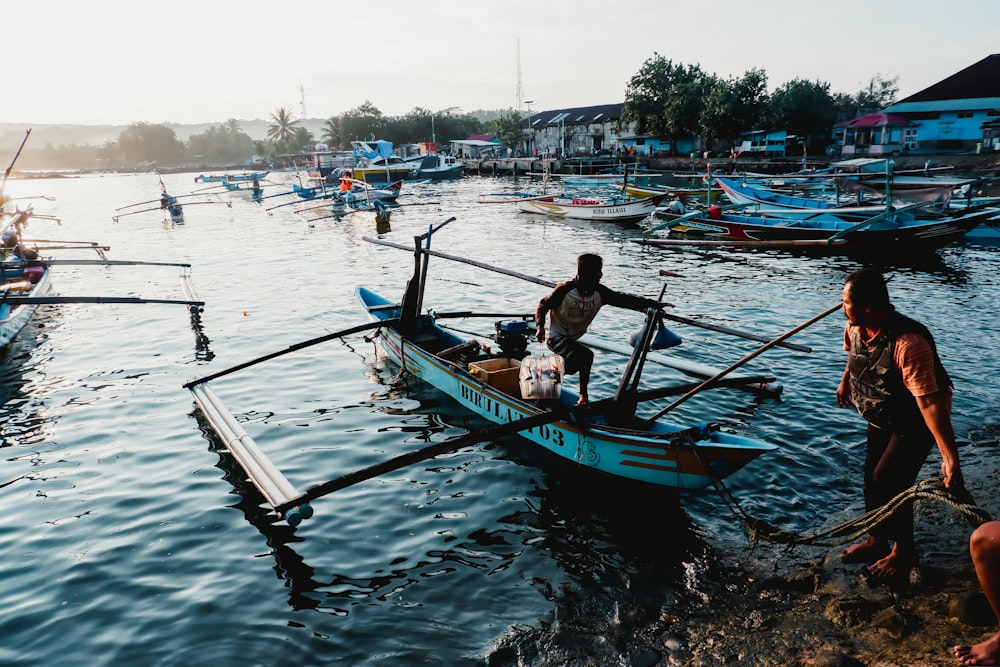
x,y
895,379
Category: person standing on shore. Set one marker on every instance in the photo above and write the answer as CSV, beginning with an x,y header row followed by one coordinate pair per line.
x,y
572,306
896,381
984,546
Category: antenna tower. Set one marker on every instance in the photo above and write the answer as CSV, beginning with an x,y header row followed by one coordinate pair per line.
x,y
302,101
519,93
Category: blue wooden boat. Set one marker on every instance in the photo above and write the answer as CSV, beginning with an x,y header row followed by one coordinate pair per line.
x,y
609,439
897,231
20,277
244,177
606,437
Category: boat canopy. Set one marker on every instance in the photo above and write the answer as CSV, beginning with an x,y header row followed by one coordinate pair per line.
x,y
372,150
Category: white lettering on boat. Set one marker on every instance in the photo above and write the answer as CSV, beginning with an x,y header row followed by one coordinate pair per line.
x,y
504,413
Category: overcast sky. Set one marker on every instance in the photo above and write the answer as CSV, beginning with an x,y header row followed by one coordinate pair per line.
x,y
187,61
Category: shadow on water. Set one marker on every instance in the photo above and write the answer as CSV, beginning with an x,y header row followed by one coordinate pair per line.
x,y
202,351
620,544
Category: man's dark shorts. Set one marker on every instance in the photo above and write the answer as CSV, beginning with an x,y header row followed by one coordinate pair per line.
x,y
575,355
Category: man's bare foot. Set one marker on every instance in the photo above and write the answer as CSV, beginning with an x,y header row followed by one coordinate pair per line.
x,y
896,563
868,551
983,653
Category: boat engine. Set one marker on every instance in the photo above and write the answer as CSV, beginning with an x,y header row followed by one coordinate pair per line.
x,y
512,338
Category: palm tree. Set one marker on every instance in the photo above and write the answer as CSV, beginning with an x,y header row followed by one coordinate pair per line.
x,y
333,133
284,127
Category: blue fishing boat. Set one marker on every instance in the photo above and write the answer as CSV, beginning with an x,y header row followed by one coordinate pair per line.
x,y
244,177
606,436
22,276
609,437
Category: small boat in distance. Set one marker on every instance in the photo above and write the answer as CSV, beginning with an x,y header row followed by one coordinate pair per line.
x,y
439,167
375,162
244,177
614,209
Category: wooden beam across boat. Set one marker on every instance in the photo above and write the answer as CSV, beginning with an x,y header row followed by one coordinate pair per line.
x,y
551,284
54,300
744,243
96,262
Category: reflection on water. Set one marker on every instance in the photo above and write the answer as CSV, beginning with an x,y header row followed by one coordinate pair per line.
x,y
120,536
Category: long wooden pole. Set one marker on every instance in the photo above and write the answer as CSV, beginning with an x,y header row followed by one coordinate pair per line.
x,y
752,355
298,346
549,283
465,440
16,155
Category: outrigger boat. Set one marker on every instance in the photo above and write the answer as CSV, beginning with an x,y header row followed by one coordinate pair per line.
x,y
614,209
244,177
607,436
26,283
895,231
168,203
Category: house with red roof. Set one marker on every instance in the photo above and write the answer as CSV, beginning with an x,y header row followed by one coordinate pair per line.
x,y
876,134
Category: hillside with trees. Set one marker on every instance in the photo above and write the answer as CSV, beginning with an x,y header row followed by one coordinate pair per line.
x,y
663,98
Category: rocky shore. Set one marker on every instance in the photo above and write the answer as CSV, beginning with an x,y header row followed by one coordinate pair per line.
x,y
773,606
770,605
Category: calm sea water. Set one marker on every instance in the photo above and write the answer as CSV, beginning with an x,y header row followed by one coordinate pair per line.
x,y
128,538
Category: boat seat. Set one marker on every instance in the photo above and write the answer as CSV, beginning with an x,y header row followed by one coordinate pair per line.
x,y
386,306
458,350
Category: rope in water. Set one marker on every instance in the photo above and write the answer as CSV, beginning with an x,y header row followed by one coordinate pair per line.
x,y
852,529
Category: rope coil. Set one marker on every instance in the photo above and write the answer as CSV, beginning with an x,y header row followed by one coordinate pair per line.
x,y
848,531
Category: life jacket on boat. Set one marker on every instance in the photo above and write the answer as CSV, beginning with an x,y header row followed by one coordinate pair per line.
x,y
346,183
877,388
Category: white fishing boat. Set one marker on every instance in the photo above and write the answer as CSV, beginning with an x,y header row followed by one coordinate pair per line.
x,y
614,209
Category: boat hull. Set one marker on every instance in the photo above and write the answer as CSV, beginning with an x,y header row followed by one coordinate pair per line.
x,y
911,234
626,453
608,211
14,319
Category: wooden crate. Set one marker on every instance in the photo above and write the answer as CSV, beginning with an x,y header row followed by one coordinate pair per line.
x,y
500,373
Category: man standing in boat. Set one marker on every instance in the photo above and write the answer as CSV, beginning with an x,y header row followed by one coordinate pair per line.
x,y
896,381
572,306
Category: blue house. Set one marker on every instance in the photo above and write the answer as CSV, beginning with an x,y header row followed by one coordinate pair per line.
x,y
956,115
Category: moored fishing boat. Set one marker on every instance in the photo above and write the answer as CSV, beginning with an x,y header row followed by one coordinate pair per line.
x,y
889,232
375,162
606,436
243,177
439,167
768,202
26,283
22,275
615,209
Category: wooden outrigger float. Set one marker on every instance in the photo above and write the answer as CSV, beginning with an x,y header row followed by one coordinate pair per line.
x,y
607,436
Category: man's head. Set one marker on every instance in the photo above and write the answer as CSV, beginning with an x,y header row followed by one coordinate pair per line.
x,y
589,270
866,299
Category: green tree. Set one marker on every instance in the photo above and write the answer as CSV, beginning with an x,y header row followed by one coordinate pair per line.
x,y
301,137
804,108
362,123
333,133
879,94
141,143
282,130
510,129
264,150
665,99
734,106
221,144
